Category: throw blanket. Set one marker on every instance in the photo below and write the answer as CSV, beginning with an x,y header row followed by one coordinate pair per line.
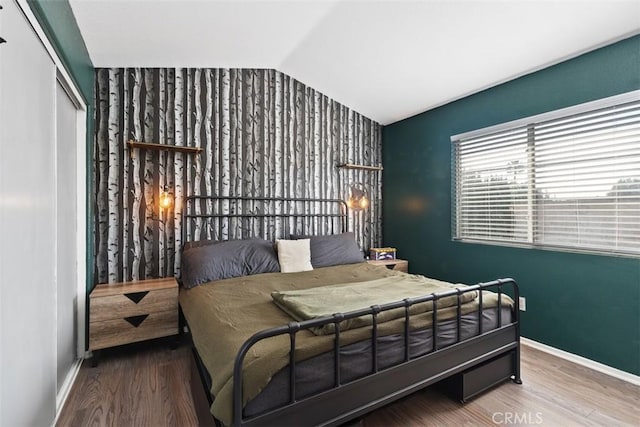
x,y
313,303
223,314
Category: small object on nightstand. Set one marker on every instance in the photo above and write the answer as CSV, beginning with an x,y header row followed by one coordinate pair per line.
x,y
382,253
128,312
392,264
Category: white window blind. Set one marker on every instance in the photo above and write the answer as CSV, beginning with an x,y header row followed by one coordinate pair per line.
x,y
567,179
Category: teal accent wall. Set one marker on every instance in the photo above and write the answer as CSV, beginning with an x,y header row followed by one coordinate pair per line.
x,y
581,303
59,23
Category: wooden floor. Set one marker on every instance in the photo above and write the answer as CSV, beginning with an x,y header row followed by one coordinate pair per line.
x,y
147,385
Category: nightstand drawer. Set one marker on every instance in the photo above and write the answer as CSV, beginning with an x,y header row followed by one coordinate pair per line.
x,y
133,304
128,329
392,264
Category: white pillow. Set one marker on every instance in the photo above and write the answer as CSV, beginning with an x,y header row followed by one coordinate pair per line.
x,y
294,255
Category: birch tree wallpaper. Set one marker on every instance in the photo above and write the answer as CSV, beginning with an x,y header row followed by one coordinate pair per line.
x,y
262,133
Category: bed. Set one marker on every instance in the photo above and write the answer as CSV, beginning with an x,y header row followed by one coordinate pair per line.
x,y
265,352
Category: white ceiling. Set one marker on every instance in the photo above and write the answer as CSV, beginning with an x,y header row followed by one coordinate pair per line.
x,y
385,59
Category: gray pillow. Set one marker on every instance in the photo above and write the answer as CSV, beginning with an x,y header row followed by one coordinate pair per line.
x,y
228,259
334,249
198,243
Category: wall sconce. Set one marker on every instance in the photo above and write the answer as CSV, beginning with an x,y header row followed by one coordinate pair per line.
x,y
166,200
164,203
357,199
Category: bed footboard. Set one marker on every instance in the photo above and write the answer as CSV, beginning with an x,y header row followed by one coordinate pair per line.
x,y
348,400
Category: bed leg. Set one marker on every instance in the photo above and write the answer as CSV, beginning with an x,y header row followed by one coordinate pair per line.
x,y
175,342
95,358
199,397
182,326
516,366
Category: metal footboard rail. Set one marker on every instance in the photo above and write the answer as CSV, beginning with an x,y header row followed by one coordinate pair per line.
x,y
374,311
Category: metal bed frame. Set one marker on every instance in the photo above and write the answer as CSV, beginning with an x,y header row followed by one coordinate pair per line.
x,y
288,215
348,400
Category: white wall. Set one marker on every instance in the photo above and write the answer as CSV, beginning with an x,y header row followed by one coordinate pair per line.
x,y
67,224
28,222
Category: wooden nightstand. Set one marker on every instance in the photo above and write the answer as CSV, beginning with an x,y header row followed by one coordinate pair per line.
x,y
123,313
392,264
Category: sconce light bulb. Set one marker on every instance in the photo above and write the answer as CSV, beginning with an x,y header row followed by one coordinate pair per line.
x,y
357,199
165,200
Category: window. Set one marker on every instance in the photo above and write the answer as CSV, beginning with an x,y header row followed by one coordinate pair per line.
x,y
564,179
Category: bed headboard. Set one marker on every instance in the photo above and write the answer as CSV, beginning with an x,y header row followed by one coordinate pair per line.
x,y
230,217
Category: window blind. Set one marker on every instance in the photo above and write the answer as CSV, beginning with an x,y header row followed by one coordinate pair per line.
x,y
568,179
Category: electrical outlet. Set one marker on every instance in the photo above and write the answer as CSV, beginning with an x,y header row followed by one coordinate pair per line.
x,y
523,304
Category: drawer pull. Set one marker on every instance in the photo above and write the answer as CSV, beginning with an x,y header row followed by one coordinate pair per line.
x,y
136,296
390,266
135,321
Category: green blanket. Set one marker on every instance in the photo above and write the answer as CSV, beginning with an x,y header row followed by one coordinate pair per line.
x,y
313,303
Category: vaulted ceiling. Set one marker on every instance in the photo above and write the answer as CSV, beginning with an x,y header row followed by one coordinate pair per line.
x,y
385,59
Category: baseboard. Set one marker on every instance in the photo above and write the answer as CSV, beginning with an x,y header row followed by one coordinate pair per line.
x,y
588,363
61,398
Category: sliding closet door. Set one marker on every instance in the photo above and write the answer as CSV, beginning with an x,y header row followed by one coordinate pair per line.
x,y
67,229
27,225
